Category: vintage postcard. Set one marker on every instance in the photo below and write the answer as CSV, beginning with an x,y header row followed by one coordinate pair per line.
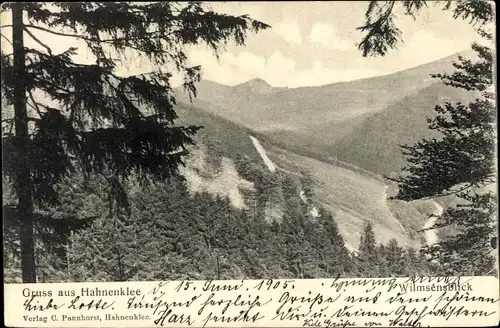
x,y
249,164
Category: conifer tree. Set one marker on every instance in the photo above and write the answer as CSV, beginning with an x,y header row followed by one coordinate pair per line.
x,y
290,188
382,34
461,161
367,245
368,252
339,261
308,183
70,116
394,256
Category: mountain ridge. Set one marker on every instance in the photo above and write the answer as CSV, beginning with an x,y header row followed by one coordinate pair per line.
x,y
326,121
257,105
347,134
465,52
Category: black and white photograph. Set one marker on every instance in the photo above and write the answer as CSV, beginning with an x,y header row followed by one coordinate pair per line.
x,y
150,141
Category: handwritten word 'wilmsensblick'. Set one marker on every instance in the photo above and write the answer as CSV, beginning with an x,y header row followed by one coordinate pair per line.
x,y
409,302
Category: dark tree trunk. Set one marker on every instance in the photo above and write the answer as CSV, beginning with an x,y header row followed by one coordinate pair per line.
x,y
23,179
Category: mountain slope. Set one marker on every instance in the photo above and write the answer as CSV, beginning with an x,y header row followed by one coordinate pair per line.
x,y
374,144
225,136
352,196
257,105
346,134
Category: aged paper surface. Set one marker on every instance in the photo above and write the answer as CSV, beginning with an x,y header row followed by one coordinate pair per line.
x,y
396,302
256,164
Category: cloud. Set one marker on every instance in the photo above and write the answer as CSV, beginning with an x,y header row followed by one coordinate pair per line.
x,y
326,35
422,47
233,68
289,31
427,46
279,64
277,69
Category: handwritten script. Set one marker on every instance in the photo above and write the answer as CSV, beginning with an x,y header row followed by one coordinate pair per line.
x,y
389,302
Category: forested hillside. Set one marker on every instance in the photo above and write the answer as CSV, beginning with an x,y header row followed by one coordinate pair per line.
x,y
374,144
191,227
171,233
173,230
354,195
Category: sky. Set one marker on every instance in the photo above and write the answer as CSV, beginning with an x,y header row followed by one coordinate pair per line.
x,y
309,43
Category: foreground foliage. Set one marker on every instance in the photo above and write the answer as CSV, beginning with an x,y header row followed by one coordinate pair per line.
x,y
461,161
70,116
172,233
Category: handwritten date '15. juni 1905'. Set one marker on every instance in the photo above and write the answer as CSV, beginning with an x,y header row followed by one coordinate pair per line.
x,y
286,303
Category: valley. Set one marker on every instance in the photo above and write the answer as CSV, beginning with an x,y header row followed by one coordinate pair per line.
x,y
353,195
347,135
352,198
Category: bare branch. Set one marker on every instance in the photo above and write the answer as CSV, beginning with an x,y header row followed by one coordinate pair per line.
x,y
7,39
150,34
35,104
449,193
38,40
58,33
